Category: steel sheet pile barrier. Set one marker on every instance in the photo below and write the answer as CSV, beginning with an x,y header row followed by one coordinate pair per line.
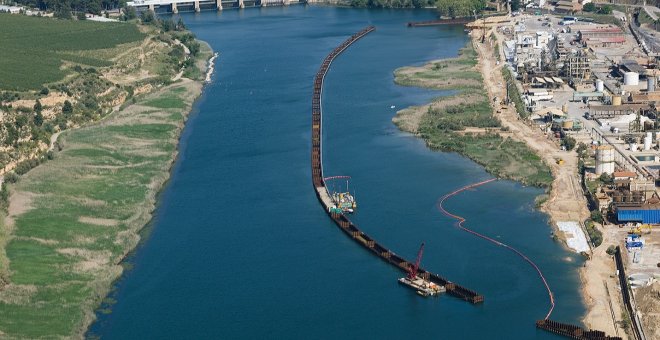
x,y
342,220
457,21
572,331
625,293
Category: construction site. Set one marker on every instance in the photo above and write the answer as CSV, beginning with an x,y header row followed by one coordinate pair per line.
x,y
592,87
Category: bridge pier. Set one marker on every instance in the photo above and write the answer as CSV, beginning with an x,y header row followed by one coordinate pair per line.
x,y
197,6
241,4
219,4
174,9
152,8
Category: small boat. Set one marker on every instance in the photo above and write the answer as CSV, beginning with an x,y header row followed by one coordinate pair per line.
x,y
392,107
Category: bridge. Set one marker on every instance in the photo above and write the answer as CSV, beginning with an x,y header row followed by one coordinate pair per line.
x,y
176,6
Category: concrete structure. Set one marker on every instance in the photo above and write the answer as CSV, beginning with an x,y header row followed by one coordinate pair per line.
x,y
579,68
604,159
10,9
601,36
568,6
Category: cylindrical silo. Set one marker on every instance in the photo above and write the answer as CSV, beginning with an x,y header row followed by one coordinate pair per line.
x,y
600,86
631,78
647,141
650,84
604,159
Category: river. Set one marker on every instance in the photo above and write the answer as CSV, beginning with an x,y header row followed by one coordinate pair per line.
x,y
240,247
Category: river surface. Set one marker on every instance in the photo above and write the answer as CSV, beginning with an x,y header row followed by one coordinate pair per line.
x,y
240,247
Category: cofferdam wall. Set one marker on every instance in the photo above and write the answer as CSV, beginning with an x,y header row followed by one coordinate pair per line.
x,y
341,220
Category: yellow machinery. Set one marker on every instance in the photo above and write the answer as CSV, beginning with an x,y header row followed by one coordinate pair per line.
x,y
645,228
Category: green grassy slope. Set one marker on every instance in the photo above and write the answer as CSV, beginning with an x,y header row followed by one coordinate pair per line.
x,y
33,49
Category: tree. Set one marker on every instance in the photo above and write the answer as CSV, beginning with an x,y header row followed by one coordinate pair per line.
x,y
38,119
129,13
67,108
459,8
597,216
590,7
515,5
37,106
568,143
81,16
167,24
44,91
63,11
148,17
606,179
606,9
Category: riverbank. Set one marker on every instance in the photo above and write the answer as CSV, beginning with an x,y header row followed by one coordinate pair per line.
x,y
72,220
464,122
566,201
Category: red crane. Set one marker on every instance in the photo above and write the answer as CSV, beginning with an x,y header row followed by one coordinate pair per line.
x,y
412,272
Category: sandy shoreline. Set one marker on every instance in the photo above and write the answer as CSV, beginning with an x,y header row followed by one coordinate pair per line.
x,y
211,68
566,203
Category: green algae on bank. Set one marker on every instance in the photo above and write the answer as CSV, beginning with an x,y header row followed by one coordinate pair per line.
x,y
464,122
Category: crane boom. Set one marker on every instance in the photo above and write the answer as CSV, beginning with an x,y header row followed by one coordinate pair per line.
x,y
412,272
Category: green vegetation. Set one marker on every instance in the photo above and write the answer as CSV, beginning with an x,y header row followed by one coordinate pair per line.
x,y
595,235
392,3
611,250
35,49
459,8
568,143
604,9
514,94
602,18
464,122
75,211
83,211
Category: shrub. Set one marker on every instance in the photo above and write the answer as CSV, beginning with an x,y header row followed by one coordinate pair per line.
x,y
595,234
611,250
568,143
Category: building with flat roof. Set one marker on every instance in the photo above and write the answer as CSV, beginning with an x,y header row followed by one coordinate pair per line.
x,y
568,6
601,36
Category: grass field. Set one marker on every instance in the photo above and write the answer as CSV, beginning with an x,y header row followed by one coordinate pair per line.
x,y
76,216
33,49
464,122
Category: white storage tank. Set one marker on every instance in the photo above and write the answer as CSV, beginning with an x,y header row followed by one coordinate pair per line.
x,y
604,159
600,86
631,78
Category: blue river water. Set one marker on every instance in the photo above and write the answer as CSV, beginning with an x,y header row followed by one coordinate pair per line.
x,y
240,247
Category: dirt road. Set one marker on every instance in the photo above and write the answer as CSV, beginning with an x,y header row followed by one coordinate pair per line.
x,y
566,199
